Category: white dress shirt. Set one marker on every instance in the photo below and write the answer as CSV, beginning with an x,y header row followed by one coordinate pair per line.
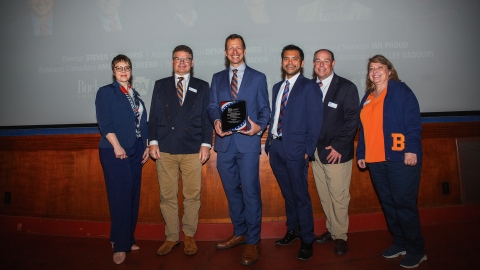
x,y
278,101
325,85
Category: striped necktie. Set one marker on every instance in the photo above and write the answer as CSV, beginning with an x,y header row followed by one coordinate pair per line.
x,y
43,29
180,90
282,107
234,84
114,26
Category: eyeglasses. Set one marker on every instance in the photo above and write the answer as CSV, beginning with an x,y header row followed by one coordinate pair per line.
x,y
120,69
185,60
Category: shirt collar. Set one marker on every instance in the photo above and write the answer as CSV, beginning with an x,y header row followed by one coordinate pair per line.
x,y
240,68
186,77
293,79
37,22
327,80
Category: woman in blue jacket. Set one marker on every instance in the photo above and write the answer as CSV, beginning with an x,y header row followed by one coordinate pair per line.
x,y
122,119
390,144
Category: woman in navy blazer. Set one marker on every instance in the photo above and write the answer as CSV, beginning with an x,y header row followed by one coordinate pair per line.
x,y
122,119
390,144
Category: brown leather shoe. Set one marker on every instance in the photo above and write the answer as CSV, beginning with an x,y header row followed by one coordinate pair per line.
x,y
230,242
250,254
190,246
167,247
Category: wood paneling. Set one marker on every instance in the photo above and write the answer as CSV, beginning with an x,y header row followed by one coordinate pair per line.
x,y
60,176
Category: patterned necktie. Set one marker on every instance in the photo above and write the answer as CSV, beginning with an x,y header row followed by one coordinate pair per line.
x,y
114,26
43,29
282,107
234,84
180,90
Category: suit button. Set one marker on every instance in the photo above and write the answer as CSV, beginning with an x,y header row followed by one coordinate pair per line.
x,y
168,117
173,128
186,128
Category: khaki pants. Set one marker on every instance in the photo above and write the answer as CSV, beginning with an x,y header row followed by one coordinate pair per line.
x,y
333,187
168,168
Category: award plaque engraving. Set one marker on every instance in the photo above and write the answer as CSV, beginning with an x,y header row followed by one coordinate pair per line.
x,y
234,115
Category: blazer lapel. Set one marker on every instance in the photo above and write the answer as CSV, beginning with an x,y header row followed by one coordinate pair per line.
x,y
296,90
122,99
331,91
274,99
171,94
246,82
190,96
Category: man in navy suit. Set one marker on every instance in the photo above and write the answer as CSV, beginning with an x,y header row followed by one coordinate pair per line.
x,y
238,152
332,167
180,138
292,137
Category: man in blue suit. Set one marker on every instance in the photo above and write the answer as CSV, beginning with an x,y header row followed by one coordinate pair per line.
x,y
238,152
292,137
180,136
332,167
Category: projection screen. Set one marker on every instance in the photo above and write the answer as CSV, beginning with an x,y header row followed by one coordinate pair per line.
x,y
57,53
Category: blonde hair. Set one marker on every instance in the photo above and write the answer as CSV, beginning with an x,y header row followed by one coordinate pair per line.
x,y
384,61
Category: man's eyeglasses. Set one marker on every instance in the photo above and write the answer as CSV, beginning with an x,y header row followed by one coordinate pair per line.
x,y
185,60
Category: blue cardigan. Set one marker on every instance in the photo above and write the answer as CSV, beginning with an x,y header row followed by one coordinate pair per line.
x,y
115,115
401,114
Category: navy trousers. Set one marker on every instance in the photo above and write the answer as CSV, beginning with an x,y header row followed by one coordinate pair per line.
x,y
397,188
240,178
292,177
122,180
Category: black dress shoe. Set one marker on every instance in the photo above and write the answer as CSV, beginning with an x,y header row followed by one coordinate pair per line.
x,y
289,237
305,252
326,237
341,247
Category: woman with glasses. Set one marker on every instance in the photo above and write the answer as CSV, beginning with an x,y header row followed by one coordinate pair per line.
x,y
122,119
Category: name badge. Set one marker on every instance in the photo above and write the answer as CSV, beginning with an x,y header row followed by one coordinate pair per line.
x,y
366,102
332,105
192,89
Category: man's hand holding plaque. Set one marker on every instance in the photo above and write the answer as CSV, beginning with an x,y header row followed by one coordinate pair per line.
x,y
219,131
254,128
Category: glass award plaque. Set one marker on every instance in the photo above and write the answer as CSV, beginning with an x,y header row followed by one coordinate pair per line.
x,y
234,115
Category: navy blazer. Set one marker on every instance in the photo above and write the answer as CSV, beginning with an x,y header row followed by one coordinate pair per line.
x,y
340,119
180,129
115,115
254,90
401,114
302,119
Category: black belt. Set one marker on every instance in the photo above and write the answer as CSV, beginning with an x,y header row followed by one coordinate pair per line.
x,y
273,137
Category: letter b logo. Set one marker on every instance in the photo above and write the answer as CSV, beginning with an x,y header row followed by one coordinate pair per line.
x,y
398,142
